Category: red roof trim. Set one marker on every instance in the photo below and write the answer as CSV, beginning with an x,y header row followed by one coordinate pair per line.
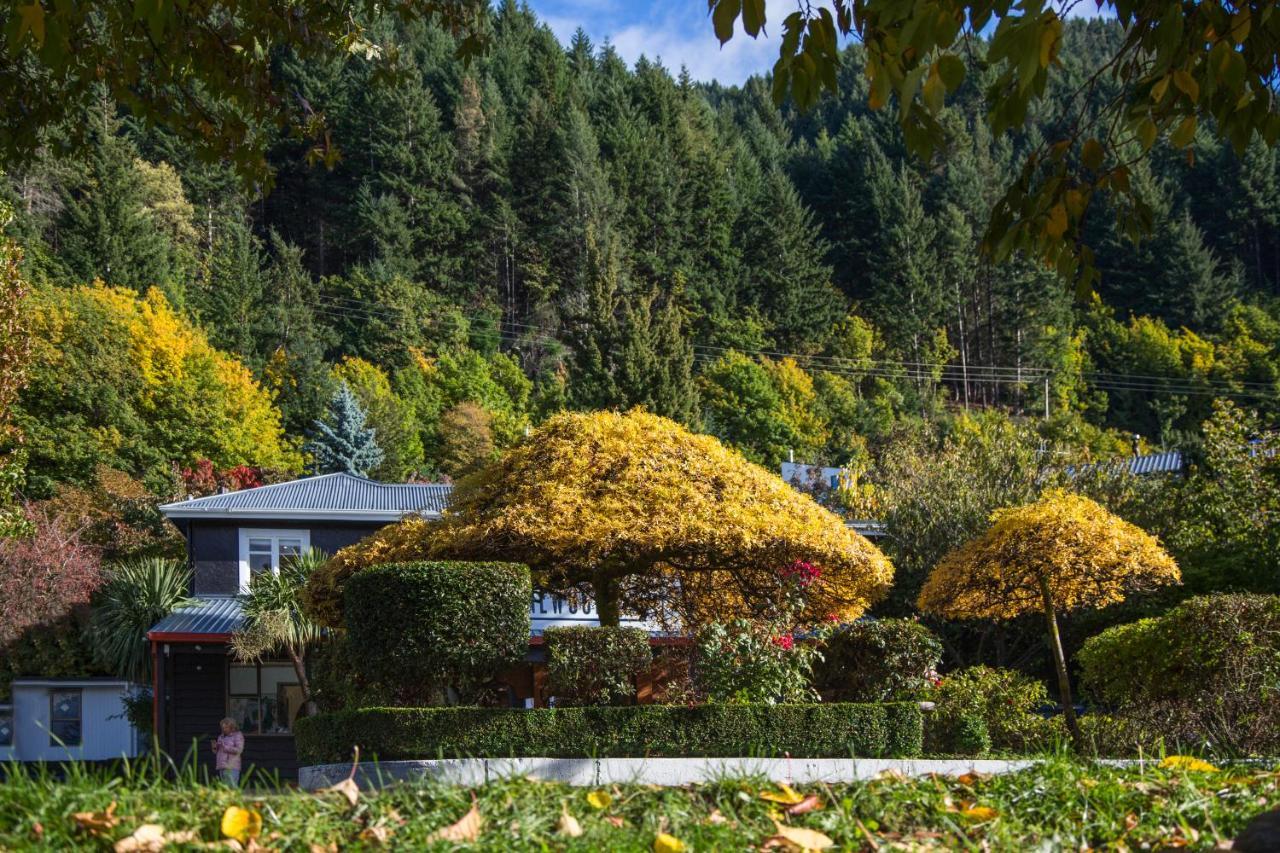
x,y
186,637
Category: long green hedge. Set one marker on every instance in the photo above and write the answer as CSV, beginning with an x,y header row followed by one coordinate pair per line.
x,y
834,730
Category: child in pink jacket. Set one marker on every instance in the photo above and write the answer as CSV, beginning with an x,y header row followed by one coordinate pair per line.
x,y
227,748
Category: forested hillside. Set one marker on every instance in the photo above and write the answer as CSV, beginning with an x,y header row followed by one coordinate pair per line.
x,y
548,228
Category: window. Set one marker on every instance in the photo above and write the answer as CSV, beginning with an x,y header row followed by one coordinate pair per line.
x,y
64,718
6,726
263,550
263,698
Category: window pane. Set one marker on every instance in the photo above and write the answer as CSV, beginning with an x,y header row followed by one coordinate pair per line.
x,y
275,674
285,705
259,546
245,711
6,728
290,547
66,704
64,733
244,679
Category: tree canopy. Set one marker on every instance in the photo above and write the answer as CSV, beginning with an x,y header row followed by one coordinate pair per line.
x,y
649,518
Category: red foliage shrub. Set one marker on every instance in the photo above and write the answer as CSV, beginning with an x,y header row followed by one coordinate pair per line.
x,y
44,576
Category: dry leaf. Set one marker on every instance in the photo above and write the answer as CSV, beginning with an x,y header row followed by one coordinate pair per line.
x,y
599,800
716,818
665,843
348,787
616,821
378,833
241,824
465,830
788,796
979,814
97,823
891,775
331,847
801,838
810,803
568,825
145,839
972,777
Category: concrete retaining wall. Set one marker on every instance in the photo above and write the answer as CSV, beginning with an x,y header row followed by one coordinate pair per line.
x,y
653,771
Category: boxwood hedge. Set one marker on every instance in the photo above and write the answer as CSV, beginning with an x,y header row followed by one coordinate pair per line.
x,y
833,730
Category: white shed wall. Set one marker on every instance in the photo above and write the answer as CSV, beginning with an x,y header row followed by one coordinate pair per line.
x,y
105,733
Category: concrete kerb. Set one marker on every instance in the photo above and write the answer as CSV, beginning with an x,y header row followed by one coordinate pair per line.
x,y
590,772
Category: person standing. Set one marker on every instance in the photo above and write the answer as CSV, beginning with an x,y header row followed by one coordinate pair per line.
x,y
227,748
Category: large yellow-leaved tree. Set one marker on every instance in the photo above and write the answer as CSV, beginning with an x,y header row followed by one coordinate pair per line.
x,y
1058,554
645,516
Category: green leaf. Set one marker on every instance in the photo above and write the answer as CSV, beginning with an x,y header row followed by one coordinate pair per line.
x,y
1185,132
1092,154
951,69
723,17
753,16
1186,84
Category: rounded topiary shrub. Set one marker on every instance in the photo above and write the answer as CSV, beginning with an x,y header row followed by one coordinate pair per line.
x,y
425,627
982,708
1205,674
877,660
595,666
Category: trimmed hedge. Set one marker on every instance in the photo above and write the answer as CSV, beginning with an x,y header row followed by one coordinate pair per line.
x,y
595,665
877,660
414,627
804,731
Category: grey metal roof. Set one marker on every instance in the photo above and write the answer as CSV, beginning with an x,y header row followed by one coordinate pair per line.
x,y
326,495
206,616
1169,462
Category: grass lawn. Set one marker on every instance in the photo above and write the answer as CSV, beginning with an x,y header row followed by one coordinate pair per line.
x,y
1058,805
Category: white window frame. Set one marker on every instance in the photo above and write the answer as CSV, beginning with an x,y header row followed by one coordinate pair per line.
x,y
247,533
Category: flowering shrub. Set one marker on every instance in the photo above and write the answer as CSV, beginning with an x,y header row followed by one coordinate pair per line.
x,y
878,660
749,660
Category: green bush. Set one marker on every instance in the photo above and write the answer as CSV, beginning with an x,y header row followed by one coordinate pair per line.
x,y
595,666
754,661
980,708
430,627
1205,675
877,660
808,731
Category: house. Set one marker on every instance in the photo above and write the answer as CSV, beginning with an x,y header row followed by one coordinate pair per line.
x,y
230,538
68,719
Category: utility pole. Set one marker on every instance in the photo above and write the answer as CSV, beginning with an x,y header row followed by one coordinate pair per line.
x,y
1046,396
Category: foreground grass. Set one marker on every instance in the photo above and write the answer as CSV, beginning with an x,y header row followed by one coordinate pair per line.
x,y
1057,805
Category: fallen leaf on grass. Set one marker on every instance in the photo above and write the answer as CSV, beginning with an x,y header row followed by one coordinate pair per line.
x,y
568,825
331,847
665,843
979,814
892,776
465,830
241,824
788,796
97,823
972,778
378,833
151,837
809,804
599,800
799,838
348,787
1189,763
715,818
616,821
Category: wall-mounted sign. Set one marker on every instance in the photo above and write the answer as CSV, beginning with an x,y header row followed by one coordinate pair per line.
x,y
553,611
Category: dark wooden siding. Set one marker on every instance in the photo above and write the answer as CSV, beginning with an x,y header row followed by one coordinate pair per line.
x,y
195,687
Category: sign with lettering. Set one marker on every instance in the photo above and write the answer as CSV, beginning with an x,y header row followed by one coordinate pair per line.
x,y
553,611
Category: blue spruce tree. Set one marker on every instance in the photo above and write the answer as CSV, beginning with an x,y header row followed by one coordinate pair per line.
x,y
340,441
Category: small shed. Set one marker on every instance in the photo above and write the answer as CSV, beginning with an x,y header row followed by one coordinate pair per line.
x,y
65,719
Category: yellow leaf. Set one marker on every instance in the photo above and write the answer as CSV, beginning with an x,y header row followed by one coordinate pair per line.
x,y
568,825
31,20
801,838
665,843
1186,84
1056,225
599,800
1189,763
1184,133
788,796
467,828
1048,41
1157,91
97,823
979,814
241,824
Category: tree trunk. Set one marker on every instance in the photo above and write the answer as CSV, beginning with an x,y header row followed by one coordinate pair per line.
x,y
1060,664
605,587
300,669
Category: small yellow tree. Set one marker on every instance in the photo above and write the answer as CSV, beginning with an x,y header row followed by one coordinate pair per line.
x,y
646,516
1060,553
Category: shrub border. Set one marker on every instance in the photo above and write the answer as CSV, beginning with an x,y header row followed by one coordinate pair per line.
x,y
834,730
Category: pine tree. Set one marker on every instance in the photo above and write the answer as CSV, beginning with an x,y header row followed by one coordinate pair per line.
x,y
341,441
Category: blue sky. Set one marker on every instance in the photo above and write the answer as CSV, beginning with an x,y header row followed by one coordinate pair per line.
x,y
679,31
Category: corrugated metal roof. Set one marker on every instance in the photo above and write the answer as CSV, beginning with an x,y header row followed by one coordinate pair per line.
x,y
1169,462
205,616
327,493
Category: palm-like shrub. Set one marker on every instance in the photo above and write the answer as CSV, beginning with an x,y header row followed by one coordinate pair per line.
x,y
138,594
274,620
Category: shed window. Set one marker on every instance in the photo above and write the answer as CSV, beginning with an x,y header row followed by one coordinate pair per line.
x,y
264,551
263,698
64,718
6,726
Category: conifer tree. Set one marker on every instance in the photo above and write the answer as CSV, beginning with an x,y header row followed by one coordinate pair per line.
x,y
341,441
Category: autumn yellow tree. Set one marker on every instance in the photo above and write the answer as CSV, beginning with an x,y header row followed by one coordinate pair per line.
x,y
1058,554
642,514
